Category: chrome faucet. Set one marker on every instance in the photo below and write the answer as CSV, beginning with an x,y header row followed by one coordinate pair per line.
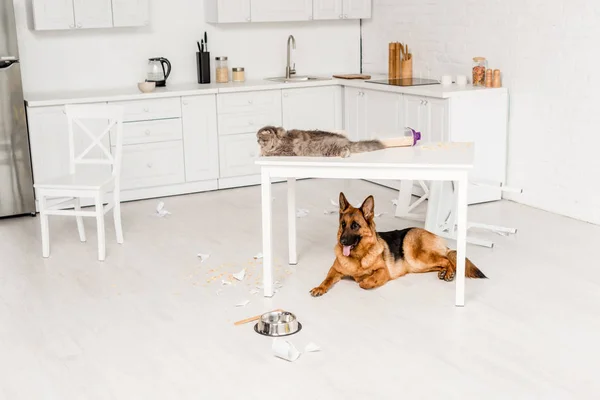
x,y
289,71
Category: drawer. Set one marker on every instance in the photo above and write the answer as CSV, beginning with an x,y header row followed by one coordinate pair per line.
x,y
149,131
247,122
246,102
237,154
152,164
143,110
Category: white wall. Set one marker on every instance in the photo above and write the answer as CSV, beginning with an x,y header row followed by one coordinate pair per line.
x,y
547,51
112,58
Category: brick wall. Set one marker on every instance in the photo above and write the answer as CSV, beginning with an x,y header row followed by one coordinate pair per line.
x,y
548,52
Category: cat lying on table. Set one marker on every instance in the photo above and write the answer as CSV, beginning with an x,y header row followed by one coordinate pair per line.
x,y
276,141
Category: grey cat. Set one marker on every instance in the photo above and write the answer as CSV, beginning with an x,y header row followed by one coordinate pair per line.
x,y
276,141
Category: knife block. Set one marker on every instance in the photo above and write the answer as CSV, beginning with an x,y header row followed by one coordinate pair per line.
x,y
406,68
203,66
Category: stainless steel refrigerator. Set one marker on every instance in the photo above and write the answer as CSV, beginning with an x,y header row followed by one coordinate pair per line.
x,y
16,182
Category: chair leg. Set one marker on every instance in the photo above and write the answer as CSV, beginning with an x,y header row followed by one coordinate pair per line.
x,y
100,226
79,218
117,217
45,227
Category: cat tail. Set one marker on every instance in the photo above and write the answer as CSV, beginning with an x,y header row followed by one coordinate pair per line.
x,y
405,141
363,146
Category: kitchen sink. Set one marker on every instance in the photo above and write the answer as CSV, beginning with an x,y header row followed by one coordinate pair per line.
x,y
297,79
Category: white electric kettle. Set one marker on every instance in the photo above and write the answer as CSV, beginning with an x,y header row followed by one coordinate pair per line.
x,y
157,72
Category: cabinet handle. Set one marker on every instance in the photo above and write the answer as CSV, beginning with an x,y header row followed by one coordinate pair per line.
x,y
285,95
146,109
425,102
341,16
149,165
147,132
72,26
250,122
248,19
310,17
345,16
250,101
185,103
78,25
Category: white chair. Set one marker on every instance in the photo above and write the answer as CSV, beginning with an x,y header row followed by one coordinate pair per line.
x,y
89,178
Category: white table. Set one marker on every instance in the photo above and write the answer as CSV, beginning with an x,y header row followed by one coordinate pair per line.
x,y
443,162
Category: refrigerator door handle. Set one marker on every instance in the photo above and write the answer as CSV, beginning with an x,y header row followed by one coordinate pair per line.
x,y
6,63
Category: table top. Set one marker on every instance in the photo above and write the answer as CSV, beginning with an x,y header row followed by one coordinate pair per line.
x,y
424,156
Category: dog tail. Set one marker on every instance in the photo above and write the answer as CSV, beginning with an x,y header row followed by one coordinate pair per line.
x,y
363,146
471,271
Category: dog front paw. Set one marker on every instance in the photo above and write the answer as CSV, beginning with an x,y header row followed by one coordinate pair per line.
x,y
318,291
446,275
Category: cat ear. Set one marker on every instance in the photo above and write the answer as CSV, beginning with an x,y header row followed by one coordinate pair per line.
x,y
265,132
368,207
343,202
280,132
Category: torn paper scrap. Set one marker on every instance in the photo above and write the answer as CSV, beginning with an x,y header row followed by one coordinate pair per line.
x,y
218,292
203,257
377,215
243,303
160,210
286,350
254,291
302,212
240,275
311,347
258,256
395,202
329,212
334,203
225,283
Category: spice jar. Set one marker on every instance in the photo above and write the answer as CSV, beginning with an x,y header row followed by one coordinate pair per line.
x,y
222,70
479,67
496,82
238,74
488,78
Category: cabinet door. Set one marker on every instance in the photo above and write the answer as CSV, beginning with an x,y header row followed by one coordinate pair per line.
x,y
237,155
49,141
437,119
312,108
200,137
383,113
130,12
327,9
93,13
53,14
281,10
354,113
356,9
414,115
228,11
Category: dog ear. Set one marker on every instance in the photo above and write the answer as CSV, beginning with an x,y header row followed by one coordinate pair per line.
x,y
368,207
343,202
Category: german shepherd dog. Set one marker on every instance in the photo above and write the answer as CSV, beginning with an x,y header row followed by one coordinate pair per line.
x,y
373,258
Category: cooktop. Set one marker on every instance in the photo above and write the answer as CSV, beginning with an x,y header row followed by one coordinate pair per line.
x,y
406,82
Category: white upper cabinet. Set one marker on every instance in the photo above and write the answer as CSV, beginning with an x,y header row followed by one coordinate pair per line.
x,y
229,11
342,9
357,9
281,10
130,13
328,9
82,14
93,13
53,14
224,11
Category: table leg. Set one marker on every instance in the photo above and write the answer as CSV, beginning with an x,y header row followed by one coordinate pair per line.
x,y
461,238
291,184
404,197
267,233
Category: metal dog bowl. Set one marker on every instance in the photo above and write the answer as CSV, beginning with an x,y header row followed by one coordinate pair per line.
x,y
277,324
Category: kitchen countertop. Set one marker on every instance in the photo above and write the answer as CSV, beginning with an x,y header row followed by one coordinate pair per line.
x,y
177,90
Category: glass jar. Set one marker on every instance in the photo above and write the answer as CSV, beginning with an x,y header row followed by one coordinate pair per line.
x,y
479,68
222,70
238,74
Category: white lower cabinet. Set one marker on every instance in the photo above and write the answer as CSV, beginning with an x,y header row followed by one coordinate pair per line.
x,y
428,116
152,164
200,139
237,154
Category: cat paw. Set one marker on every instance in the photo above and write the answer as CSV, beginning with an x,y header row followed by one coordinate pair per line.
x,y
346,153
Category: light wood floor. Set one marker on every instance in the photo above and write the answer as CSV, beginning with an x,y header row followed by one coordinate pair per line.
x,y
147,324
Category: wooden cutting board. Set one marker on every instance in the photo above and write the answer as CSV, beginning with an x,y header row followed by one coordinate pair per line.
x,y
352,76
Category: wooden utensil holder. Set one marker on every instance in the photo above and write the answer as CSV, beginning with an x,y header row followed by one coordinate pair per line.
x,y
406,69
392,61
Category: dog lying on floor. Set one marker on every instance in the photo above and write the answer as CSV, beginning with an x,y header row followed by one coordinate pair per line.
x,y
373,258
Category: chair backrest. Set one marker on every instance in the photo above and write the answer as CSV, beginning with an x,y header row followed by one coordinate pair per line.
x,y
80,115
